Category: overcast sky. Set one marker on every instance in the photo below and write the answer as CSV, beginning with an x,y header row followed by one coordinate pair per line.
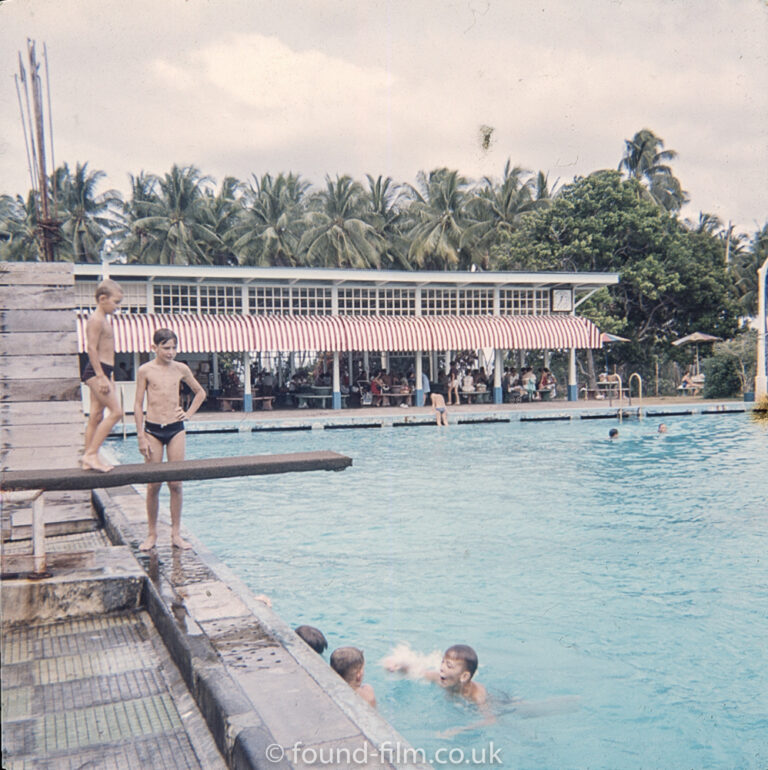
x,y
396,86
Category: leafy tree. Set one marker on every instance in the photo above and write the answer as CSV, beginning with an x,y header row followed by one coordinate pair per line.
x,y
672,282
336,233
646,159
19,240
267,230
176,229
746,264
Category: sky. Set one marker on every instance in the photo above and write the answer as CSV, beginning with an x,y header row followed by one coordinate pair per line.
x,y
392,87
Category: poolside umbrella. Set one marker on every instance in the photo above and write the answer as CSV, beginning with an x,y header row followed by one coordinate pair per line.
x,y
605,338
696,338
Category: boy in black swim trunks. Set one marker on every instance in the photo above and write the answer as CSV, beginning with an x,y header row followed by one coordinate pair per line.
x,y
105,411
159,380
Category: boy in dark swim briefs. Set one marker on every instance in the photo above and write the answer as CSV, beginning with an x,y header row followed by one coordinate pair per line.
x,y
105,411
163,428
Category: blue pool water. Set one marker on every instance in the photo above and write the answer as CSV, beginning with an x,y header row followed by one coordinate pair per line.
x,y
631,574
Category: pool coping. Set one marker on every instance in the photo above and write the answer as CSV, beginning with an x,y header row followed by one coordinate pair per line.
x,y
305,420
193,630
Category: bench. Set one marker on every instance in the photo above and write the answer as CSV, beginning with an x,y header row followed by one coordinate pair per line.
x,y
266,401
303,400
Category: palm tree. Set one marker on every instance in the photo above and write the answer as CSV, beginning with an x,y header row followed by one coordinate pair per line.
x,y
746,266
221,212
387,217
175,226
646,159
439,211
336,234
87,218
267,232
132,240
19,236
499,207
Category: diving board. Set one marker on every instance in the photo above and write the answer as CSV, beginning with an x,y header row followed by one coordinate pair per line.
x,y
182,470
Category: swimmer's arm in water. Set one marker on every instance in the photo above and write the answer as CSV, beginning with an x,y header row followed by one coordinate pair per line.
x,y
488,719
412,663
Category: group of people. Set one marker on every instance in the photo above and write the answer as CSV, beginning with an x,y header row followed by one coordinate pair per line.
x,y
455,673
525,385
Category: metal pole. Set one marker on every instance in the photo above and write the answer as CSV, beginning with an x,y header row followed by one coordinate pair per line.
x,y
761,377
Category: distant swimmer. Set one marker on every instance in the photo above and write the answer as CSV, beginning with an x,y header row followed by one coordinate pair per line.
x,y
662,428
441,410
105,411
613,433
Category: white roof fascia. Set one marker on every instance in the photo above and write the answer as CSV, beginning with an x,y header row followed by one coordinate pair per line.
x,y
293,275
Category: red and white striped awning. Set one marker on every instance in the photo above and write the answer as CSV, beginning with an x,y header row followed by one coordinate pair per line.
x,y
237,333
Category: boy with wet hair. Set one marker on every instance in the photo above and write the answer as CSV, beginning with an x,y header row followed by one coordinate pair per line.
x,y
314,637
163,429
455,674
105,411
349,664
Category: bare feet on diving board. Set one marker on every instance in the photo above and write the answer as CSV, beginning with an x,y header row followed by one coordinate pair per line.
x,y
95,463
179,542
149,543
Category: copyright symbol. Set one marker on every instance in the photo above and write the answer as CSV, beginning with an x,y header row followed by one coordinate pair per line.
x,y
275,752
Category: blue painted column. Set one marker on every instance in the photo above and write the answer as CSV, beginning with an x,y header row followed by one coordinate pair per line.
x,y
573,385
247,389
419,388
498,397
336,399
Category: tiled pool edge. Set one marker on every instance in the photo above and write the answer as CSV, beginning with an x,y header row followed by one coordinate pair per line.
x,y
242,734
256,422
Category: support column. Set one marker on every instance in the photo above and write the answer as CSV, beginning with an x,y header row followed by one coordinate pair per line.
x,y
573,385
247,390
336,399
419,389
216,377
498,396
761,376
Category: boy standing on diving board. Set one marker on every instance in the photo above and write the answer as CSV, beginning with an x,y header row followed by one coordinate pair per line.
x,y
159,380
105,411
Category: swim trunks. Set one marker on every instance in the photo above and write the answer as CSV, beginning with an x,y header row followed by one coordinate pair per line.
x,y
88,372
440,409
164,433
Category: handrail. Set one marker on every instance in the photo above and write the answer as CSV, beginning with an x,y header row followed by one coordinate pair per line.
x,y
639,385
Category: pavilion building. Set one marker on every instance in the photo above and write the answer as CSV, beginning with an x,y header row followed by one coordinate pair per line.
x,y
276,312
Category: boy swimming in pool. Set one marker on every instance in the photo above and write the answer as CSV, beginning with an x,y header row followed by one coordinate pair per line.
x,y
163,428
457,668
349,664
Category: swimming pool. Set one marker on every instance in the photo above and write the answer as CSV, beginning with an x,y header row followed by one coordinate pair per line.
x,y
630,573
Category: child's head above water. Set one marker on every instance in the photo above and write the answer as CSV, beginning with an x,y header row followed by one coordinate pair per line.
x,y
458,666
348,663
313,637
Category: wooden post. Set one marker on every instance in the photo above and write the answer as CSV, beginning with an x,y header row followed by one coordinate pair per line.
x,y
38,534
